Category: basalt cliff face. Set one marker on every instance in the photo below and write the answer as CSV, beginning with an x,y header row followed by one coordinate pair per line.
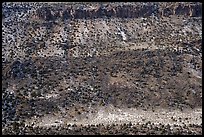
x,y
102,63
118,11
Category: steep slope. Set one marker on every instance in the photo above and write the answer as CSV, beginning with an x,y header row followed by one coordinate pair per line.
x,y
94,63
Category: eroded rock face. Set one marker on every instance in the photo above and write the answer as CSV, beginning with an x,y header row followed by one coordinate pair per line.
x,y
124,11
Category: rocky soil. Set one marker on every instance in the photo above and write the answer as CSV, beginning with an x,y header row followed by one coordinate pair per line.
x,y
102,68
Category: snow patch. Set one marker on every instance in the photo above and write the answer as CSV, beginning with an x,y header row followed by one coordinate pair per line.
x,y
123,35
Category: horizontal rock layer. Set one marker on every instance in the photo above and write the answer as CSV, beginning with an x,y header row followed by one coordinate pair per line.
x,y
125,11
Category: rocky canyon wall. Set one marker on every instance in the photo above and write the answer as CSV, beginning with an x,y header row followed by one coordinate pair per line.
x,y
124,11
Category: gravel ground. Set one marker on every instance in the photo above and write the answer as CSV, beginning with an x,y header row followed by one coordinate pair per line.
x,y
110,115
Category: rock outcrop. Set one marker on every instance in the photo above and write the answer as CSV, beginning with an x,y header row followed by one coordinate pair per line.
x,y
124,11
